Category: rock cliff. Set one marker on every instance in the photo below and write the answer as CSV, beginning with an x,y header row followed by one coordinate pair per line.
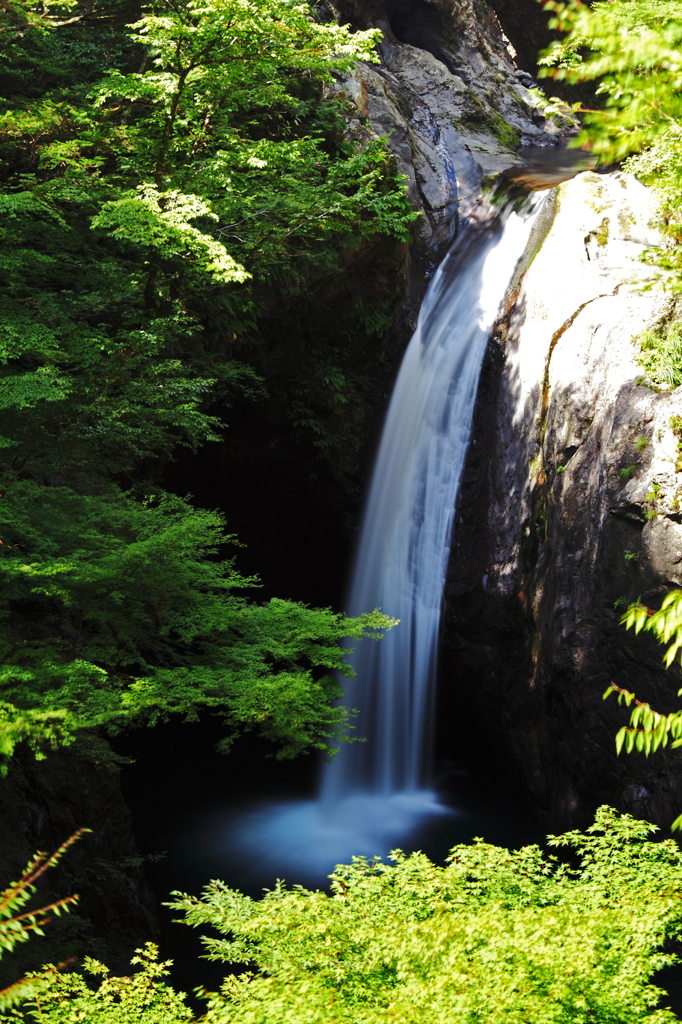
x,y
453,105
570,507
570,510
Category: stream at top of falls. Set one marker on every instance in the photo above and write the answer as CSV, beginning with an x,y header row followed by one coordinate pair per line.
x,y
377,794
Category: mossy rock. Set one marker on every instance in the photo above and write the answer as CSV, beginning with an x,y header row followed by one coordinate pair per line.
x,y
475,116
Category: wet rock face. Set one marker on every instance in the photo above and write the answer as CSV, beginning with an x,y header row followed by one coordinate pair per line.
x,y
570,510
448,98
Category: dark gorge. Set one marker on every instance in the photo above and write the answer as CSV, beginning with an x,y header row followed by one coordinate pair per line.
x,y
570,455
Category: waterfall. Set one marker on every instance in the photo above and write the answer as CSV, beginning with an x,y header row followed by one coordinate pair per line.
x,y
405,540
375,792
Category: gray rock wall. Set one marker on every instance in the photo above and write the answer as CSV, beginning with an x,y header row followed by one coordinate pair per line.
x,y
450,100
557,528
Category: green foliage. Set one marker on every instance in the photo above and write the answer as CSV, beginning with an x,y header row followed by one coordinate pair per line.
x,y
150,219
494,935
68,995
59,998
632,49
16,928
39,729
665,624
661,355
116,611
509,936
649,730
164,187
627,471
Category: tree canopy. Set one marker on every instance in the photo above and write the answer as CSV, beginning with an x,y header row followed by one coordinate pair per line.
x,y
163,184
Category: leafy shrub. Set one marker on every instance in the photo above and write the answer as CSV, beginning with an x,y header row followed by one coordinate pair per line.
x,y
19,927
494,935
141,998
661,355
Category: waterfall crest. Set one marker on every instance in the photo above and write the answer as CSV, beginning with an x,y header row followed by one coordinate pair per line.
x,y
375,792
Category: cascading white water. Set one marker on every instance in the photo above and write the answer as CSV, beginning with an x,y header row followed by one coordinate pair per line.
x,y
374,793
405,540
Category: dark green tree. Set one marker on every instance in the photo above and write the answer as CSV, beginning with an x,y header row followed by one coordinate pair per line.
x,y
160,184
